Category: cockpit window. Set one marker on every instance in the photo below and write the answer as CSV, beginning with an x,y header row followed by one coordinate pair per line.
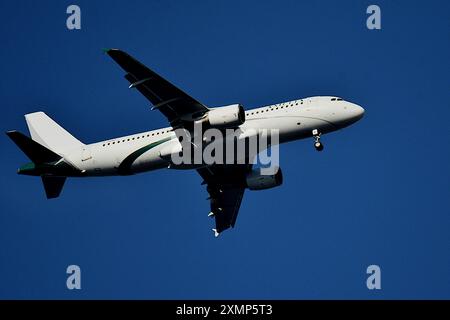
x,y
333,99
336,99
339,99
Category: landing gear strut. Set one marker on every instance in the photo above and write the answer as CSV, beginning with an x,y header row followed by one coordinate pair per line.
x,y
317,144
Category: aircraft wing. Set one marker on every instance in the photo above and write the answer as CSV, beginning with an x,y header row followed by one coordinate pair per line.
x,y
176,105
226,186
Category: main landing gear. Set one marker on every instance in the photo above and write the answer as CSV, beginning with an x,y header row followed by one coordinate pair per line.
x,y
317,144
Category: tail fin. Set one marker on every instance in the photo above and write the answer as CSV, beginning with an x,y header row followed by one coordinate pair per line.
x,y
35,151
50,134
53,186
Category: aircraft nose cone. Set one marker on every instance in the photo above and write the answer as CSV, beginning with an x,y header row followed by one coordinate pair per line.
x,y
349,114
358,111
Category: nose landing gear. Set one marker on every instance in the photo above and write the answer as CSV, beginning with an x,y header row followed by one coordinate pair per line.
x,y
317,144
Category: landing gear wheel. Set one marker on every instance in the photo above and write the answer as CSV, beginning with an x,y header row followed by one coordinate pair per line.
x,y
318,146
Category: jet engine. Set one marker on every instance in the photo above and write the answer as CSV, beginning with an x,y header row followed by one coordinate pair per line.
x,y
256,181
227,117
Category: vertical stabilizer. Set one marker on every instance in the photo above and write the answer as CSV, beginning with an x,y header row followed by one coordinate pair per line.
x,y
50,134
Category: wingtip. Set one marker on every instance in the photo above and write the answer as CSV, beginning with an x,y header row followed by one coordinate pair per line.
x,y
216,234
11,133
109,50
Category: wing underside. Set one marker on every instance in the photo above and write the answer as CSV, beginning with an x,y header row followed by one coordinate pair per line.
x,y
226,186
175,104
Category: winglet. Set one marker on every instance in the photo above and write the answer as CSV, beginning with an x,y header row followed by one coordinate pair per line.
x,y
211,214
216,234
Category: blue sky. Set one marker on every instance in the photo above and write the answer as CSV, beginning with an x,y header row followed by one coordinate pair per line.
x,y
378,194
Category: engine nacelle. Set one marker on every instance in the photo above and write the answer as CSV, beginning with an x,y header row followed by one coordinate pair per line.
x,y
227,117
256,181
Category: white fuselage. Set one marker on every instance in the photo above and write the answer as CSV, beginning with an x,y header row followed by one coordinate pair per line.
x,y
294,119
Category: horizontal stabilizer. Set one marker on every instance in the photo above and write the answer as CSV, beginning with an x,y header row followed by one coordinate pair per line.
x,y
33,150
53,186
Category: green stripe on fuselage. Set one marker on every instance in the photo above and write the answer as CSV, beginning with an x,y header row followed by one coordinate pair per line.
x,y
125,165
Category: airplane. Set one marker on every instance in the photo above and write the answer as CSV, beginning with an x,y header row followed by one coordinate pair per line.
x,y
56,154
